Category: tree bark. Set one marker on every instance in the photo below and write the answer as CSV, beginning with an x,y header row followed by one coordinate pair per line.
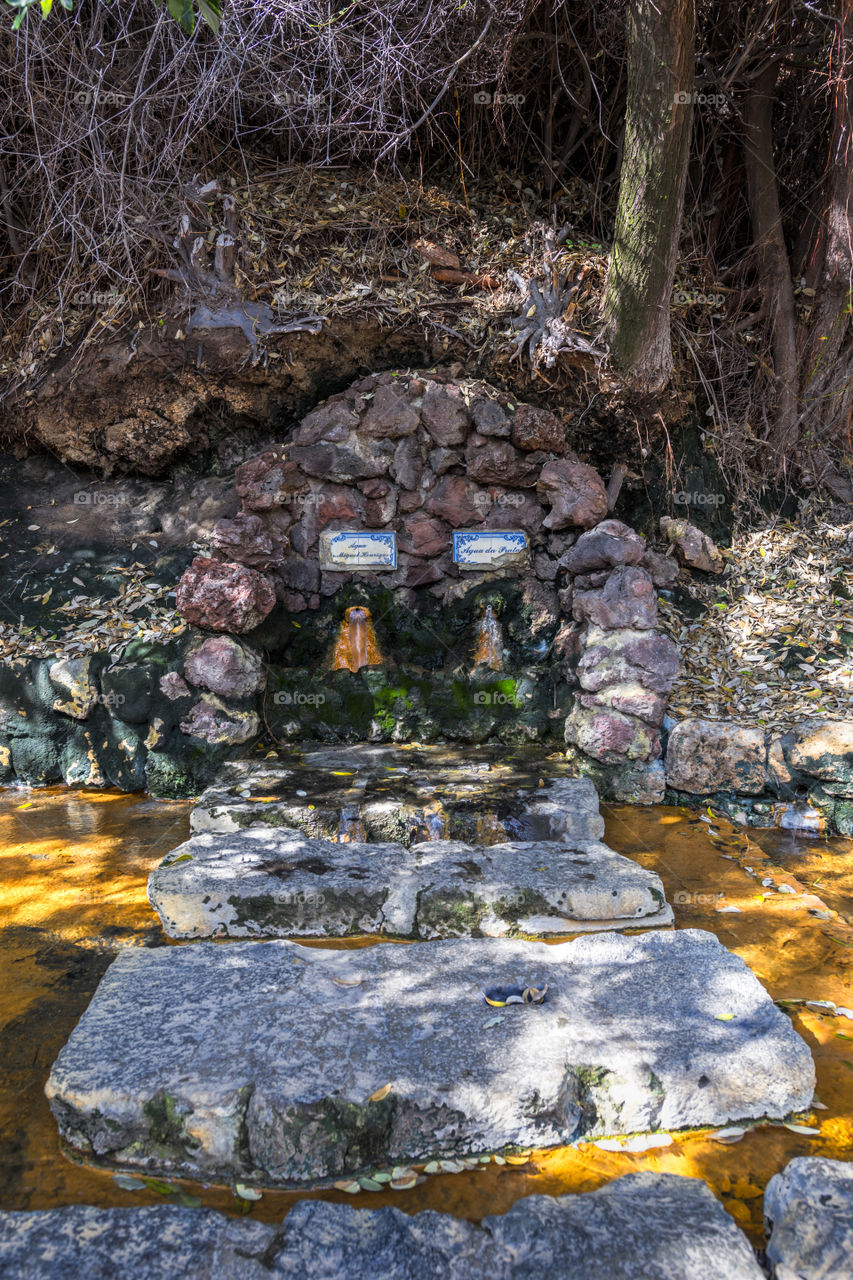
x,y
826,345
774,268
651,190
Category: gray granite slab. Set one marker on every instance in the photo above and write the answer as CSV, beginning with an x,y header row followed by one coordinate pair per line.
x,y
809,1206
647,1226
277,882
292,1064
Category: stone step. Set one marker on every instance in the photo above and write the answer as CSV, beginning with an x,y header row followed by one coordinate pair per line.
x,y
277,882
386,795
646,1226
290,1064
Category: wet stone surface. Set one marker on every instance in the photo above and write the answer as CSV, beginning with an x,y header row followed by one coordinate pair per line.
x,y
810,1209
655,1226
290,1065
278,882
378,793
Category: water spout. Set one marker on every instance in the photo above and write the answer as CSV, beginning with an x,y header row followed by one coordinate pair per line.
x,y
489,651
356,645
350,828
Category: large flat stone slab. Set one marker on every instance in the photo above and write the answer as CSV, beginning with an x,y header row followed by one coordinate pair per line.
x,y
647,1226
810,1208
277,882
291,1064
383,794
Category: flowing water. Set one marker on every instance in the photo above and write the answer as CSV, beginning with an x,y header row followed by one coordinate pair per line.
x,y
490,645
356,646
72,892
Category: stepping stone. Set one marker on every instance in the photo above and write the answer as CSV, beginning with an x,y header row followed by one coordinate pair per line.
x,y
268,882
810,1207
367,797
290,1064
646,1226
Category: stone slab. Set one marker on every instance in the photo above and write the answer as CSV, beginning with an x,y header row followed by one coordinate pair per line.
x,y
262,1059
646,1226
810,1208
277,882
387,795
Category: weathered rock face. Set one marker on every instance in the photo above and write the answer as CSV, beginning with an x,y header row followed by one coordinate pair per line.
x,y
809,1206
217,724
627,599
824,749
693,547
576,493
610,736
627,1041
225,666
657,1226
76,691
264,882
705,756
248,539
627,657
220,596
609,544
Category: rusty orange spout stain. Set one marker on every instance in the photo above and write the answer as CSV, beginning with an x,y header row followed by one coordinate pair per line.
x,y
489,651
356,645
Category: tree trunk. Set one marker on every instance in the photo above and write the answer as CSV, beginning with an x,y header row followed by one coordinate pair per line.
x,y
774,268
826,345
651,190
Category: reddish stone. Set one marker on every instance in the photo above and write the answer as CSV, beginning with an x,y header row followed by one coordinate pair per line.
x,y
445,415
225,666
375,488
222,596
609,544
330,421
534,428
608,735
497,462
378,512
458,502
267,480
576,493
425,536
630,657
490,419
663,570
407,465
693,547
336,504
409,500
247,539
627,599
390,415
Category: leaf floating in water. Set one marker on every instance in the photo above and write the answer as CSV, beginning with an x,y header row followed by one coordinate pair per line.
x,y
188,1201
520,1157
381,1177
380,1093
727,1136
450,1166
841,1012
405,1182
352,1187
434,1166
821,1005
127,1183
162,1188
247,1193
727,910
499,1159
369,1184
800,1128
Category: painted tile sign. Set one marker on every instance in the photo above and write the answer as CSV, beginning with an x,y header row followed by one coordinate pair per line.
x,y
351,549
489,549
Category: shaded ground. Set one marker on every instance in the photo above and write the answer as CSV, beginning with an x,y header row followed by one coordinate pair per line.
x,y
74,868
